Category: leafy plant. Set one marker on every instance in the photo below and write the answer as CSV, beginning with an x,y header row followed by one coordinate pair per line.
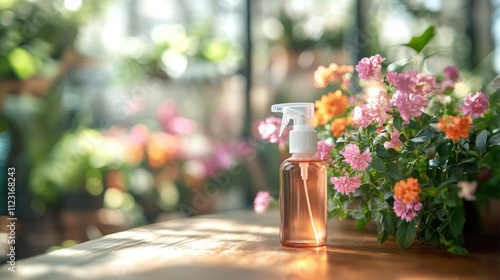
x,y
408,152
34,34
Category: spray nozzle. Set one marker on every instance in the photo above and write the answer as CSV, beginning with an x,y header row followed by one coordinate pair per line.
x,y
300,113
303,137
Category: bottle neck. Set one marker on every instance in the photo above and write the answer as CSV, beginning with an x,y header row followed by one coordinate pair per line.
x,y
303,156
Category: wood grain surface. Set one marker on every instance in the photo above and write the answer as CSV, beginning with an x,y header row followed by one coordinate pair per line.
x,y
243,245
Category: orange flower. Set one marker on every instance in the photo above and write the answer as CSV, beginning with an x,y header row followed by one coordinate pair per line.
x,y
319,119
331,105
161,148
455,127
321,77
339,126
407,191
333,74
337,72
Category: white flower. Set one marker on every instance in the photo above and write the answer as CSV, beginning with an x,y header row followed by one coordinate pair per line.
x,y
467,190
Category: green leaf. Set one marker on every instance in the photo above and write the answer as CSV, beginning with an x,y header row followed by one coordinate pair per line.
x,y
442,214
424,135
445,150
481,140
414,125
406,234
360,224
377,163
383,236
425,118
457,221
425,235
364,206
363,189
381,151
398,66
419,42
448,181
385,154
441,228
473,153
398,122
393,171
430,191
494,140
450,201
357,215
467,160
335,212
458,250
388,223
342,216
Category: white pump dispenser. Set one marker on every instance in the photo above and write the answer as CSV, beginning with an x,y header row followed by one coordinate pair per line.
x,y
303,137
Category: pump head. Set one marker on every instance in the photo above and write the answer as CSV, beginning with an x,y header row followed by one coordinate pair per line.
x,y
303,137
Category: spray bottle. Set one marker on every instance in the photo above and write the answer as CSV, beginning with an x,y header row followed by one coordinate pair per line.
x,y
303,189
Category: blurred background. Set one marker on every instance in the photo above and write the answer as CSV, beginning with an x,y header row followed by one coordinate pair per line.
x,y
120,113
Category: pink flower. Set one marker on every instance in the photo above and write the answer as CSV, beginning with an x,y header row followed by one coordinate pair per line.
x,y
361,116
261,202
467,190
451,73
394,143
269,129
324,150
412,82
475,104
407,212
447,83
425,84
370,68
139,134
403,82
409,105
346,185
356,159
223,156
378,108
352,100
450,77
373,111
171,122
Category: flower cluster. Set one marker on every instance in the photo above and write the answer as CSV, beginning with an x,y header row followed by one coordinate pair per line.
x,y
406,151
333,74
406,199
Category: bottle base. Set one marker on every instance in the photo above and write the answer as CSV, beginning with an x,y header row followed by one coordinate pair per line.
x,y
302,243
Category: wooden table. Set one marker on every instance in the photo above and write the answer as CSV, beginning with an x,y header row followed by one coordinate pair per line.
x,y
243,245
